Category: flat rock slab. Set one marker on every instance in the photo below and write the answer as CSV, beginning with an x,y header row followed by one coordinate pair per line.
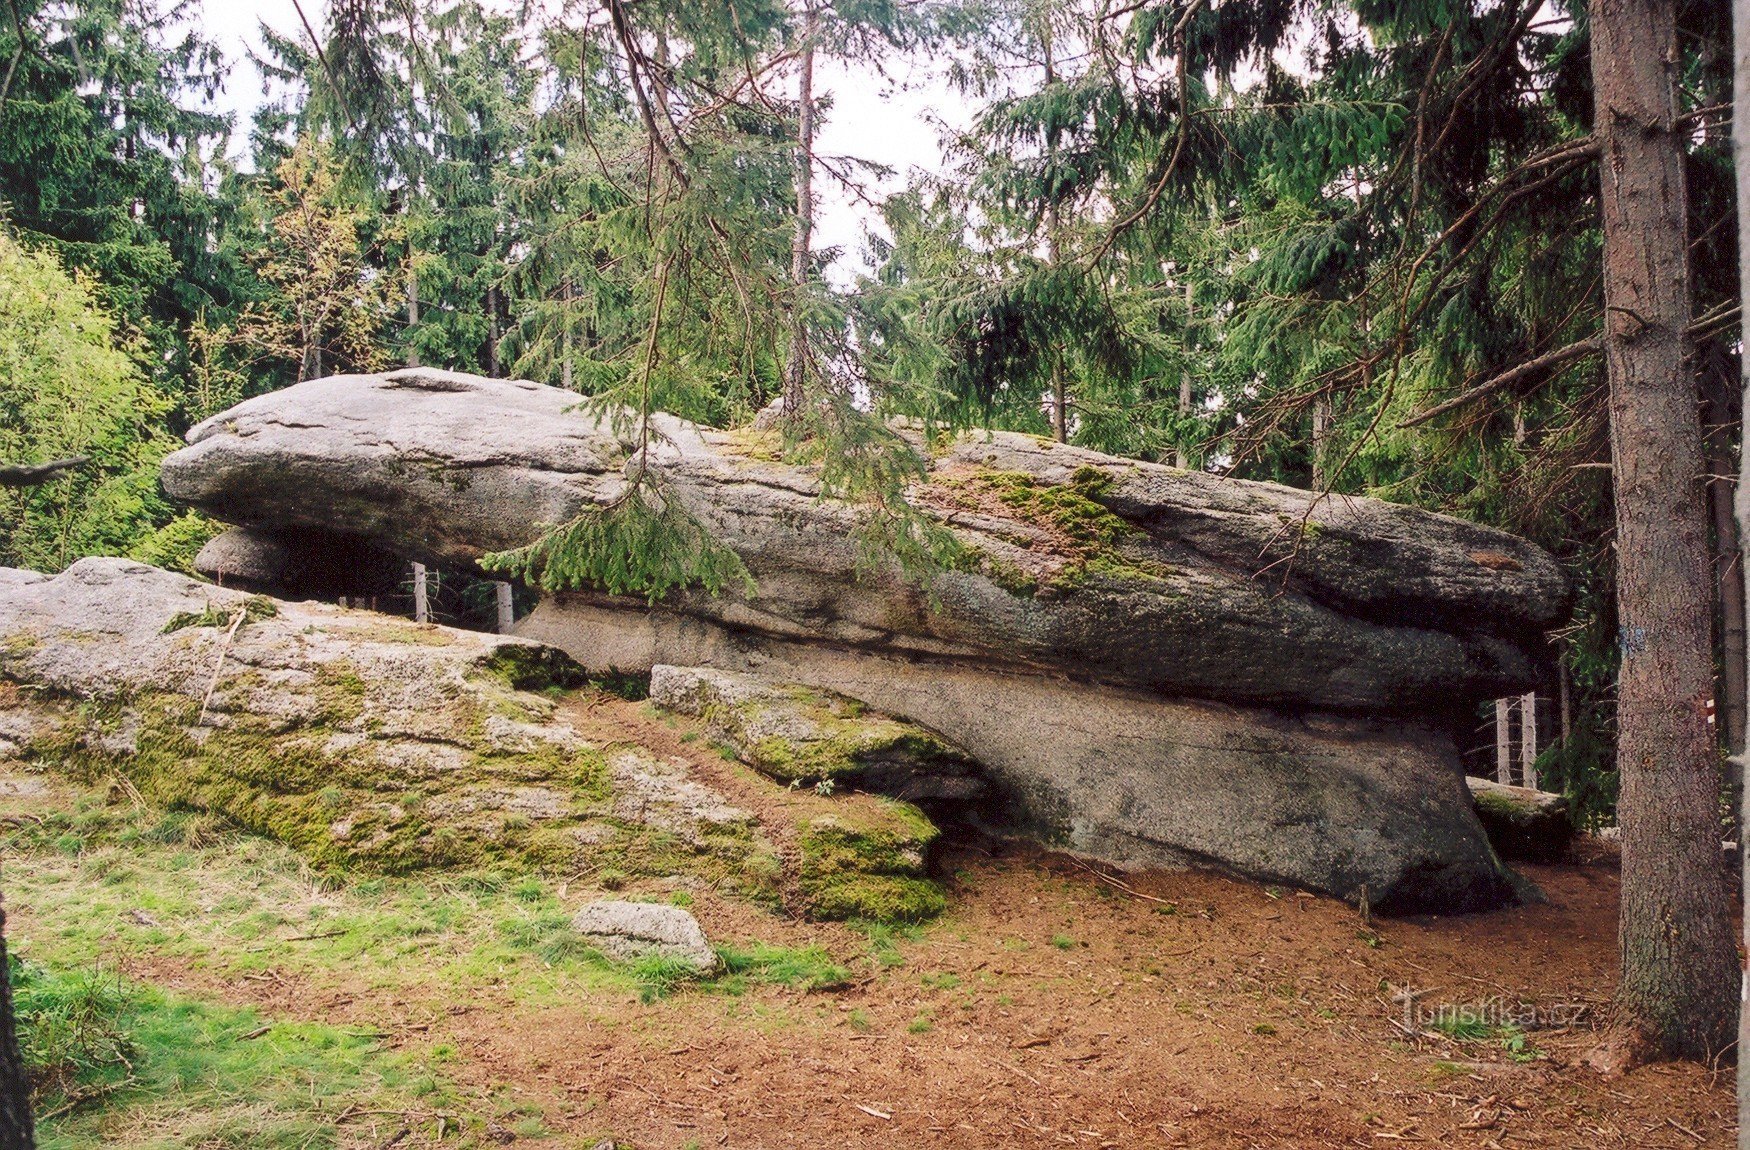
x,y
1523,823
1077,563
628,931
373,743
361,739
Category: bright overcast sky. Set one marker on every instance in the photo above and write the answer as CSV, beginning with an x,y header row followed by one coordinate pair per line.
x,y
886,121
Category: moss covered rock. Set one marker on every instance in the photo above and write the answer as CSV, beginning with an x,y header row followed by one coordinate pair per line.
x,y
1523,823
798,735
869,862
364,741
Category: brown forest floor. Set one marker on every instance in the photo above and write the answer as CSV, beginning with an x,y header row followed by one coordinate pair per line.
x,y
1047,1008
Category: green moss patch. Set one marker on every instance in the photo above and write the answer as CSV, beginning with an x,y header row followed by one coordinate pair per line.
x,y
817,736
868,861
1075,537
346,799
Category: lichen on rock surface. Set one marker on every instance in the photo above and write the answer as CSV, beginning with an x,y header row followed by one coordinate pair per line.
x,y
361,740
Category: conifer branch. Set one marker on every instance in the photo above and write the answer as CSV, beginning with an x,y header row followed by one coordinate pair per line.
x,y
1554,359
33,474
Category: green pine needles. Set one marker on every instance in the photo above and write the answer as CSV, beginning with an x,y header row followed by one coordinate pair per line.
x,y
644,543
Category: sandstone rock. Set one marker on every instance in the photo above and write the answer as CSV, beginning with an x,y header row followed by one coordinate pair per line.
x,y
374,743
1123,572
628,931
1523,823
1319,800
1152,666
799,735
358,738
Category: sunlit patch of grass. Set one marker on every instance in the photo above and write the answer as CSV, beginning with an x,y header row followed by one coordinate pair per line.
x,y
806,968
884,939
119,1064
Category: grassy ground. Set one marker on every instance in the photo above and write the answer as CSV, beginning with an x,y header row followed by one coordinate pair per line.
x,y
185,986
108,894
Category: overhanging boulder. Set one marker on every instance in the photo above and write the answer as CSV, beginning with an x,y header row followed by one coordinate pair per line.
x,y
1122,572
1153,666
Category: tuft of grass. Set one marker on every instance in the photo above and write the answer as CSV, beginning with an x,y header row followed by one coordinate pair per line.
x,y
658,976
1461,1028
806,968
1063,942
884,939
71,1026
922,1024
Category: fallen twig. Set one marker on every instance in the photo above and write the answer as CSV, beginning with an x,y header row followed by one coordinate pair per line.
x,y
219,665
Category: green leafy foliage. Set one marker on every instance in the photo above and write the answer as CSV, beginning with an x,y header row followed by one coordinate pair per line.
x,y
69,388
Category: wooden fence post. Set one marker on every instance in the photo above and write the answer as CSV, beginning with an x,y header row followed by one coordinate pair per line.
x,y
421,604
1503,741
1528,739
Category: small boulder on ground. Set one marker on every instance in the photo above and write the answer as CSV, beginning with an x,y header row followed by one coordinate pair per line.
x,y
627,931
1523,823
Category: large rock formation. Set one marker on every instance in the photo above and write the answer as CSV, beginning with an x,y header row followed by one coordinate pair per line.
x,y
371,742
1151,665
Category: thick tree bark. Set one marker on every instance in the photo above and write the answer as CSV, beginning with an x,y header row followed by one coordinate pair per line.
x,y
1741,153
796,371
1676,995
16,1131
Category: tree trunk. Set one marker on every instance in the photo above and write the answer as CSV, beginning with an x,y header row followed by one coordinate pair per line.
x,y
1053,242
1182,454
1719,426
796,371
1741,153
492,330
412,312
16,1131
1321,434
1677,951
